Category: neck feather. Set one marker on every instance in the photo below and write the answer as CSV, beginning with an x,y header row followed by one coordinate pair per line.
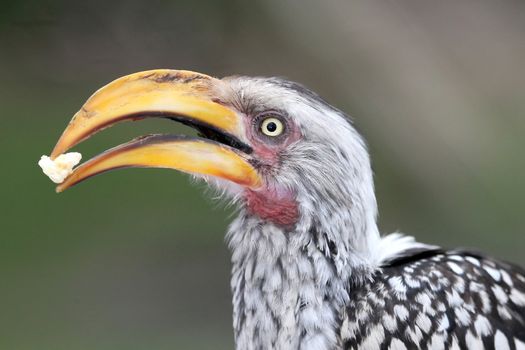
x,y
289,285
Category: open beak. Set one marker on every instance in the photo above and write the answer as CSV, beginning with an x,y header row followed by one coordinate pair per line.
x,y
183,96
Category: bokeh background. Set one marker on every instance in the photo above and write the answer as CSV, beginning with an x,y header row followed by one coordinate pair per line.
x,y
135,259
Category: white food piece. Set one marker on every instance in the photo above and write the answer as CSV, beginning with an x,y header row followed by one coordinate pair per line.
x,y
61,167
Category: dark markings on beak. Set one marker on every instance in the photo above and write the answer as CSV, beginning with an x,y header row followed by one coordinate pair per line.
x,y
178,77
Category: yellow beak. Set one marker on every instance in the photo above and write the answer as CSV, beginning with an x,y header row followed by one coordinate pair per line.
x,y
180,95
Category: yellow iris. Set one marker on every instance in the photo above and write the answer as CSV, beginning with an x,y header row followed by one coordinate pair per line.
x,y
272,127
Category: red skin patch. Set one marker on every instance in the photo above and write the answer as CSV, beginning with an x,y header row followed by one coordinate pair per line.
x,y
268,205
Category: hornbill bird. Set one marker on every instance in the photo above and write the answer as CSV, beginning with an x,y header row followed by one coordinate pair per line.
x,y
309,267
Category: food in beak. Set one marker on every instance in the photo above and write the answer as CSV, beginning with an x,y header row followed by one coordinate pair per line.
x,y
61,167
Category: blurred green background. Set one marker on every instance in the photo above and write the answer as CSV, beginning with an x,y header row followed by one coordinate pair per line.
x,y
135,259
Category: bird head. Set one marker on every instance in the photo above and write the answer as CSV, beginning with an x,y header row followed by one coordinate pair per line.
x,y
289,158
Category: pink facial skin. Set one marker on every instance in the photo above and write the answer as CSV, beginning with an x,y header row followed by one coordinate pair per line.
x,y
280,210
272,202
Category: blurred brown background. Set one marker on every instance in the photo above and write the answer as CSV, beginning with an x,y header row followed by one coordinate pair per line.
x,y
135,259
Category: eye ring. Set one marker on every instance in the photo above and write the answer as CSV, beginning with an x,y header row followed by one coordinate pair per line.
x,y
272,126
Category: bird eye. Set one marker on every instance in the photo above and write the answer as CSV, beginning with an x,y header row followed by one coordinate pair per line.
x,y
272,127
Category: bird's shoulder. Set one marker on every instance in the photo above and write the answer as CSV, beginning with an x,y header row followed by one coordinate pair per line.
x,y
438,299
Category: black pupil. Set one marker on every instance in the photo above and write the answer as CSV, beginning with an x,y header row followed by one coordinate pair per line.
x,y
271,126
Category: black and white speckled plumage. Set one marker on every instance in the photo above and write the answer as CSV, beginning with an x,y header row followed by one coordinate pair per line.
x,y
438,300
330,281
